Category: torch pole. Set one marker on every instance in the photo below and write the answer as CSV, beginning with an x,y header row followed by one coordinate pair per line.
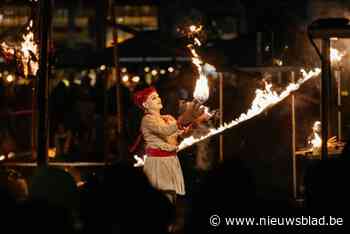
x,y
221,107
42,98
116,78
337,74
293,140
34,115
325,93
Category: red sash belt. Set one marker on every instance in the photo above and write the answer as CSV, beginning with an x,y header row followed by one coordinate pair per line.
x,y
154,152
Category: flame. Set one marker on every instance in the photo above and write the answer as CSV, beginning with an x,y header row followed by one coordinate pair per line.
x,y
27,53
201,91
336,56
7,49
263,100
52,152
29,46
278,62
195,29
197,42
316,141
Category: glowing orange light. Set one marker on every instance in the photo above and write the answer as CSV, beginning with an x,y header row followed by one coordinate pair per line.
x,y
135,79
336,56
125,78
52,152
27,53
201,91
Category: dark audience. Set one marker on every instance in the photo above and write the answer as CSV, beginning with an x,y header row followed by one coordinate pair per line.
x,y
326,182
119,199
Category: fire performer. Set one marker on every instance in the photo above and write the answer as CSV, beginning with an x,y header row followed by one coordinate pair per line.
x,y
314,140
161,133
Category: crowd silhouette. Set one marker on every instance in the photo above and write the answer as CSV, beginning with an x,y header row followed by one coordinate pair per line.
x,y
119,199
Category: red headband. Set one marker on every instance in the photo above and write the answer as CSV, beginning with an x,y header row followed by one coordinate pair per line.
x,y
141,96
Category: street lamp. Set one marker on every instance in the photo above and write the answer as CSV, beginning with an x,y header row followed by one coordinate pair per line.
x,y
325,29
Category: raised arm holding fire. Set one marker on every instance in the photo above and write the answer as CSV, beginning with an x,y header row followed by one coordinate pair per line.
x,y
314,141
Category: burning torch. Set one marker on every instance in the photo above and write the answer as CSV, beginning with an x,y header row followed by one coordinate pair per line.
x,y
201,92
196,108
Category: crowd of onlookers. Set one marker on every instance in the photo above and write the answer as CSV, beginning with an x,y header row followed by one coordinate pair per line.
x,y
119,199
116,200
78,115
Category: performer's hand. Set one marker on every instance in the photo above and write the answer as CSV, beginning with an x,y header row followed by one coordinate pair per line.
x,y
192,111
186,131
186,116
202,118
332,142
198,110
169,118
139,161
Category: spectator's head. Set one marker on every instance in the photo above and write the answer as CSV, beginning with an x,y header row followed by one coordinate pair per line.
x,y
227,190
13,182
125,192
55,186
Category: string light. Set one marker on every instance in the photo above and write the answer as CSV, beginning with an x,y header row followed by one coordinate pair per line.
x,y
135,79
154,72
170,69
77,81
9,78
65,82
52,152
125,78
11,155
